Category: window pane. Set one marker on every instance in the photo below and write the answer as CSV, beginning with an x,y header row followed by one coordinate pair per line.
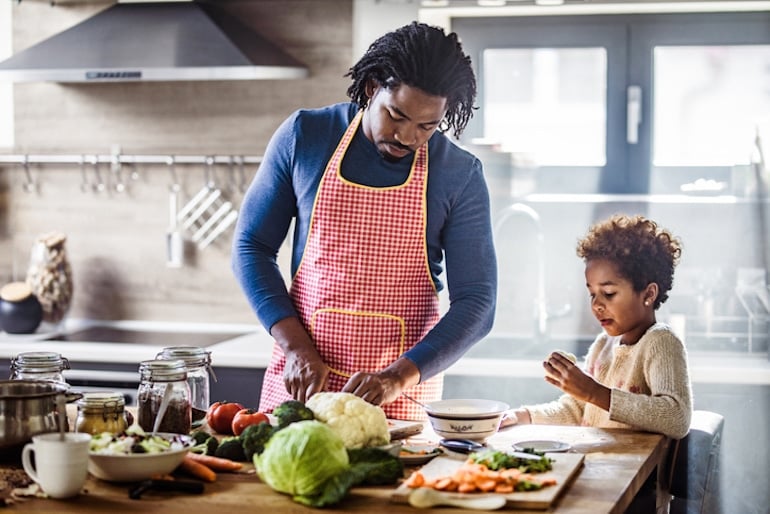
x,y
548,104
708,103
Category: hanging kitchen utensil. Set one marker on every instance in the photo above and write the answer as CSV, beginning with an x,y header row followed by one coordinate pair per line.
x,y
30,186
174,240
207,214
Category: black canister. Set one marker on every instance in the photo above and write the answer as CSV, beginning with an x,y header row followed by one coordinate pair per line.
x,y
20,310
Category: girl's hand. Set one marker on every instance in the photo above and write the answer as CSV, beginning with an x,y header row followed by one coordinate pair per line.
x,y
518,416
567,376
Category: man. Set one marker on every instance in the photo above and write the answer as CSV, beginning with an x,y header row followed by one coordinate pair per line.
x,y
381,198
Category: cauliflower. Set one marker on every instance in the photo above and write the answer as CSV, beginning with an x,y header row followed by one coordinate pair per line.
x,y
359,423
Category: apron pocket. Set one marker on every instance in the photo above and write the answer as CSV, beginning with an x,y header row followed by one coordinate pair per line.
x,y
351,341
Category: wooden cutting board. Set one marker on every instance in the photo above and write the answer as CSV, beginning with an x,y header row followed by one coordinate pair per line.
x,y
565,467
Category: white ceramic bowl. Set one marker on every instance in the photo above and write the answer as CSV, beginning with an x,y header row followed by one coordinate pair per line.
x,y
136,467
474,419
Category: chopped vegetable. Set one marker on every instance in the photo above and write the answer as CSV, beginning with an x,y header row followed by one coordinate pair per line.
x,y
134,440
292,411
356,421
495,460
474,477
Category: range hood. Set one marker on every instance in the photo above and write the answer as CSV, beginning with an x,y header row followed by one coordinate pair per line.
x,y
153,41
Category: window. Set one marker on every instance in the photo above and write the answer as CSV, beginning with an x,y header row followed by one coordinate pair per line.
x,y
560,91
653,114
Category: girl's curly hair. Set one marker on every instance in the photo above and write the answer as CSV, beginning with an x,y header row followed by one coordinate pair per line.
x,y
642,251
424,57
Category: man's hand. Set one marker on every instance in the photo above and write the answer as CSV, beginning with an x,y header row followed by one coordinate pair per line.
x,y
385,386
305,372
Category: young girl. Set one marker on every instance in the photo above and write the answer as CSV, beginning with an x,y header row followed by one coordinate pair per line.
x,y
636,370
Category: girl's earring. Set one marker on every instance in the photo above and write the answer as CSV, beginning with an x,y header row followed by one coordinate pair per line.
x,y
647,303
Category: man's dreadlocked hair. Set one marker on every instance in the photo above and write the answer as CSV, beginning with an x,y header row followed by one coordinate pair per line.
x,y
424,57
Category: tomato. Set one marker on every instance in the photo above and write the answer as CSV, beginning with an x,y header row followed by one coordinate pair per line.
x,y
246,417
220,416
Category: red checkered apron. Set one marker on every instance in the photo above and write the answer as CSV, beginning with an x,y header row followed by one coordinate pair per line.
x,y
363,288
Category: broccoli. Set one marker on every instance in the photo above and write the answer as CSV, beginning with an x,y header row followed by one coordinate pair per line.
x,y
231,448
290,411
200,436
205,443
378,466
254,437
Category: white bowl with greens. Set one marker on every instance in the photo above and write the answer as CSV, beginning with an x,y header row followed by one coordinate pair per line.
x,y
133,457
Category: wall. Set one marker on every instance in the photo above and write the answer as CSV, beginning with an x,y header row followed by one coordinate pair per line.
x,y
116,241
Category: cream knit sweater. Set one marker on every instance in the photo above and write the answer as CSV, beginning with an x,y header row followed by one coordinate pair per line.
x,y
650,386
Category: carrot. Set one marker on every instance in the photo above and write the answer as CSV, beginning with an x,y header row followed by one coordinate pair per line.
x,y
215,463
416,479
472,477
197,469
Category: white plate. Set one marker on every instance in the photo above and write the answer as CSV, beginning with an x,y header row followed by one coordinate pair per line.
x,y
542,446
422,453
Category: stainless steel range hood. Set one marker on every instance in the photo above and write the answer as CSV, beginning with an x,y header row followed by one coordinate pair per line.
x,y
153,41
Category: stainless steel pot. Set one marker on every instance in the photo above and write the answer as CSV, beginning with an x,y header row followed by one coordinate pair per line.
x,y
27,408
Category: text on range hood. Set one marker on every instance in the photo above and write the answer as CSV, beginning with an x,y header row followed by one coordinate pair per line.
x,y
153,41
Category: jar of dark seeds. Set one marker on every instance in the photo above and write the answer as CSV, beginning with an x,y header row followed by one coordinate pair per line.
x,y
198,364
164,392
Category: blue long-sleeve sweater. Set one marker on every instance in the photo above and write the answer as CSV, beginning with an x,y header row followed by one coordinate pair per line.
x,y
459,232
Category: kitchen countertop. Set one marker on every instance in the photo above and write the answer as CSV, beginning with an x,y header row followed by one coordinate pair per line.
x,y
250,347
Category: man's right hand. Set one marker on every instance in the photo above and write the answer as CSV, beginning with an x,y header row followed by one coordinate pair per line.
x,y
305,372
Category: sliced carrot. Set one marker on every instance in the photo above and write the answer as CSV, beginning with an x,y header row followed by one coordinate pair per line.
x,y
466,487
445,484
416,479
503,488
486,485
197,469
215,463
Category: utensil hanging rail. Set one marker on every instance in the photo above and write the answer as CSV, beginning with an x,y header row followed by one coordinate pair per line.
x,y
127,159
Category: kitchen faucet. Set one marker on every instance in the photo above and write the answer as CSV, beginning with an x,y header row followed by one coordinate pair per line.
x,y
541,305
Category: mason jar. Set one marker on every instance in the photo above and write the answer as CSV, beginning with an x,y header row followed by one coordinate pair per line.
x,y
39,366
164,393
198,364
101,412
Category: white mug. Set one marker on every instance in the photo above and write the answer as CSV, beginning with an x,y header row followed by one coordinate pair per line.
x,y
61,467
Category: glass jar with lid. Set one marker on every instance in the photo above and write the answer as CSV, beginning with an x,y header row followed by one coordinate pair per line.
x,y
101,412
164,393
39,366
198,364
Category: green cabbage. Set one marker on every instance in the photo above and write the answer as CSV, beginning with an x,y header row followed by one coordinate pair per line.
x,y
299,459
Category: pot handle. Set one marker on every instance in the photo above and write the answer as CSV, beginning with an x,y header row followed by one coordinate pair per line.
x,y
71,396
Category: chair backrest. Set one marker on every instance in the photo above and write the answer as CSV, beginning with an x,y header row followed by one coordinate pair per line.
x,y
694,460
